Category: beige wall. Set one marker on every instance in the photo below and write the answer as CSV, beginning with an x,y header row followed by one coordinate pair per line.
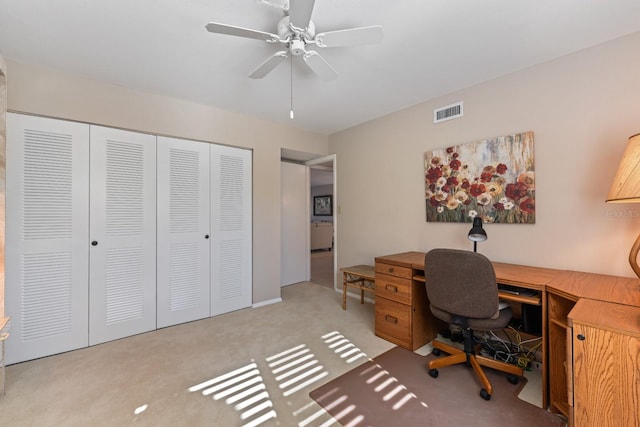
x,y
53,93
582,109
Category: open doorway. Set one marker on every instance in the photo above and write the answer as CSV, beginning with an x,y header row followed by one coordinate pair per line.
x,y
321,235
301,224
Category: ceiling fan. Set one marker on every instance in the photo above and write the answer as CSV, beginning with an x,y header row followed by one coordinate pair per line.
x,y
296,32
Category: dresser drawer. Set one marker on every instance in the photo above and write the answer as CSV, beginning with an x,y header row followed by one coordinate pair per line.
x,y
393,322
393,270
393,288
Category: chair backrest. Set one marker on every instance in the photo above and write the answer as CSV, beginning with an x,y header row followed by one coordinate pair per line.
x,y
462,283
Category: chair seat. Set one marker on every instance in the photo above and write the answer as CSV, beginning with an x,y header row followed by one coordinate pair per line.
x,y
500,322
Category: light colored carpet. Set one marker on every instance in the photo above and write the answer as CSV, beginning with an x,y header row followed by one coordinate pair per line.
x,y
185,375
158,378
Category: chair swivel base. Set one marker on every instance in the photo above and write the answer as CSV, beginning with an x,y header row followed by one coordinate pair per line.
x,y
476,361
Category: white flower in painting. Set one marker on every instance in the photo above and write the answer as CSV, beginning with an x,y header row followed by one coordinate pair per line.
x,y
440,196
484,199
504,200
508,205
473,213
440,209
441,182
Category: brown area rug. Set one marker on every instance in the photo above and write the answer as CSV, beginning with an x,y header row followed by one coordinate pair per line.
x,y
395,389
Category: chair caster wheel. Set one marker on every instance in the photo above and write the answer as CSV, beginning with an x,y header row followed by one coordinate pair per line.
x,y
436,352
484,394
433,373
513,379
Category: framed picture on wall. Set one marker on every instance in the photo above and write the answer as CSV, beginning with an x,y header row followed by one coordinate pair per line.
x,y
322,206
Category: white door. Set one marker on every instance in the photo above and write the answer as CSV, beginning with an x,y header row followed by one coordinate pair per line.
x,y
184,290
122,212
231,270
294,257
46,236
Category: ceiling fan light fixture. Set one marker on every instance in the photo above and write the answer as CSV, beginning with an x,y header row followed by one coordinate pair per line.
x,y
295,31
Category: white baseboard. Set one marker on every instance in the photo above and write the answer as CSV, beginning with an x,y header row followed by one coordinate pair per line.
x,y
267,302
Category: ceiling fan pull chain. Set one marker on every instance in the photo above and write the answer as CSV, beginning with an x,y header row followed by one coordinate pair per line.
x,y
291,90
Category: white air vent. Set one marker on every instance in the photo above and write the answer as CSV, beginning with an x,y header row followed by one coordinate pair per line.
x,y
448,112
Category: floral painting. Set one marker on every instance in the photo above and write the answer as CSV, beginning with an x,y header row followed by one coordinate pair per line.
x,y
493,179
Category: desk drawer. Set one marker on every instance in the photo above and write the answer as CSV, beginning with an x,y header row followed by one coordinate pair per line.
x,y
393,322
393,270
393,288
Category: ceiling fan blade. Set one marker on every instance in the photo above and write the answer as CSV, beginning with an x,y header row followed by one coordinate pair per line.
x,y
231,30
350,37
319,65
300,13
268,65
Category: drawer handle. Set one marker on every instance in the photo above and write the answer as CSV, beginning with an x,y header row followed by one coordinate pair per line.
x,y
390,269
391,319
391,288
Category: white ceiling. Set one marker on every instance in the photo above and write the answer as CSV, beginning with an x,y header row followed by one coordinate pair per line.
x,y
430,48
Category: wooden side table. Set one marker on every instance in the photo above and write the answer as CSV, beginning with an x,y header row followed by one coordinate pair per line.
x,y
361,277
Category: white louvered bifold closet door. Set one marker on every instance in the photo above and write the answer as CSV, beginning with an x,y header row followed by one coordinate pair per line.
x,y
183,231
231,269
46,236
122,286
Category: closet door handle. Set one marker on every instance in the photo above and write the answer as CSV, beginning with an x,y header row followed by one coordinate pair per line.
x,y
206,236
94,243
391,288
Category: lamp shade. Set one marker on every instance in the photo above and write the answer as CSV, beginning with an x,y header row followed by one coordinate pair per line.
x,y
626,184
477,233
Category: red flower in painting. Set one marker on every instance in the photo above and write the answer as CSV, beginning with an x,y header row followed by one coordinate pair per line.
x,y
452,180
433,202
486,176
449,150
528,205
501,168
455,164
476,189
498,206
516,191
433,174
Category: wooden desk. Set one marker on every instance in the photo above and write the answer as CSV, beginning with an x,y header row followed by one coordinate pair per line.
x,y
609,335
403,316
563,293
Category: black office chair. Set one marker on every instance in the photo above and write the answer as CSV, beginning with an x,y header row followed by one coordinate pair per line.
x,y
462,291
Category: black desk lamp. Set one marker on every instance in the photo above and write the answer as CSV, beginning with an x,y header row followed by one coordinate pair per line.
x,y
477,233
